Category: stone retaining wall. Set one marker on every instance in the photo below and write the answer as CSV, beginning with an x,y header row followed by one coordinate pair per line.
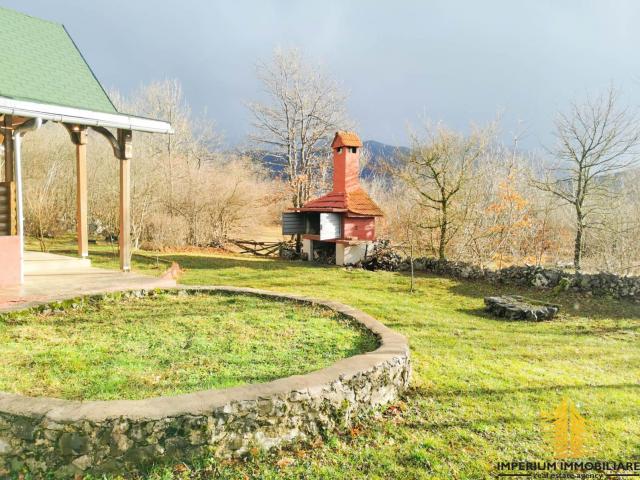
x,y
540,277
68,437
386,257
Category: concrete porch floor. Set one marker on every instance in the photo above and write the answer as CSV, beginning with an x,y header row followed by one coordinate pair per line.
x,y
49,277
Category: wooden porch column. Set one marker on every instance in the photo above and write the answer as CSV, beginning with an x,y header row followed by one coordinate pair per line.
x,y
121,144
124,239
81,193
8,150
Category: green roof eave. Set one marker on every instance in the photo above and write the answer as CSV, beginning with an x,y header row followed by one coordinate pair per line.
x,y
78,116
35,100
41,63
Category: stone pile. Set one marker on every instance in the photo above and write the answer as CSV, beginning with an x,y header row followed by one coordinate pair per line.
x,y
287,251
385,257
324,257
515,307
450,268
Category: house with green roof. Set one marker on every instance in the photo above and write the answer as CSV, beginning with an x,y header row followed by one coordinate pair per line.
x,y
45,78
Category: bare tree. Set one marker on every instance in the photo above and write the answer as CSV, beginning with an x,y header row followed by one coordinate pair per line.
x,y
43,201
436,170
406,221
185,190
595,140
613,243
49,190
303,109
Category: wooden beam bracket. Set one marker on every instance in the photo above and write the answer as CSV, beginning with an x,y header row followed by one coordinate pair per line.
x,y
121,142
78,133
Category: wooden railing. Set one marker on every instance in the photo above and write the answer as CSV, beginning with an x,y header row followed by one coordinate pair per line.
x,y
261,249
7,208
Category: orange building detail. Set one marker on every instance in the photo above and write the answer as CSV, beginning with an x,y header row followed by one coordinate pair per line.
x,y
353,212
347,196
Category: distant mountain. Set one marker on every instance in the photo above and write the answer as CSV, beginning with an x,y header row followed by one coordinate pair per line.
x,y
378,153
381,153
271,162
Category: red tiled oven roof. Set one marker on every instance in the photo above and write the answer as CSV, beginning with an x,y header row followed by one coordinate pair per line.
x,y
356,201
347,195
346,139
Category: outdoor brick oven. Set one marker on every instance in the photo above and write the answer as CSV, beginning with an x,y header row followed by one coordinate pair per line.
x,y
343,221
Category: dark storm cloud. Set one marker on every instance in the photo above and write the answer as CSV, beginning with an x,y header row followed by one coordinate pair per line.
x,y
399,60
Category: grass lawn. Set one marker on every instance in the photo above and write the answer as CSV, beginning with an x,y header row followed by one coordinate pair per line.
x,y
168,344
479,387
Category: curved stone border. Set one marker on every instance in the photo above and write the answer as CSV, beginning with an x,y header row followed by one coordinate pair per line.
x,y
67,437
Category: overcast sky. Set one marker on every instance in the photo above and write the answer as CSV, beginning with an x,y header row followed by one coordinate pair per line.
x,y
454,61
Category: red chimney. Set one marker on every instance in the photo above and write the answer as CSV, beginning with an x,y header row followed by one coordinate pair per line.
x,y
346,153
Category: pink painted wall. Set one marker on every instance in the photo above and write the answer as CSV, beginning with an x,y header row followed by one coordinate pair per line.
x,y
359,228
9,261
